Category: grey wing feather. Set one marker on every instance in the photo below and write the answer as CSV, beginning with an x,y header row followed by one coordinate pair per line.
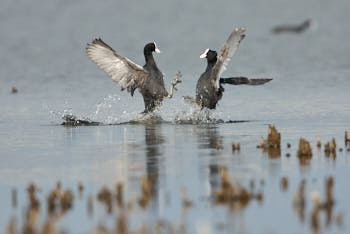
x,y
240,80
126,73
259,81
226,52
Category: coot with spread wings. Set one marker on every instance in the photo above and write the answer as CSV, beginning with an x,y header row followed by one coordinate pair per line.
x,y
209,86
130,76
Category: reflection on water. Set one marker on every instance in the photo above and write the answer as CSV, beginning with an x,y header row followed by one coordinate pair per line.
x,y
154,140
131,153
209,138
273,152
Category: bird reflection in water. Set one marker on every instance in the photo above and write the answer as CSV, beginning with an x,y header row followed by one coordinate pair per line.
x,y
209,138
153,140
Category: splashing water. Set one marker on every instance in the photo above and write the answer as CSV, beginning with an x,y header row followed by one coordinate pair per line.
x,y
191,113
104,112
180,112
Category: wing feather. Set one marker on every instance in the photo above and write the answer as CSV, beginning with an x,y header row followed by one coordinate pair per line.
x,y
241,80
126,73
226,52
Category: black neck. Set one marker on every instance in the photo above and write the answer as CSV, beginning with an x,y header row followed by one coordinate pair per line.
x,y
149,59
210,65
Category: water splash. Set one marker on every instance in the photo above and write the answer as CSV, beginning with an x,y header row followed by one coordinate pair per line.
x,y
104,110
191,113
59,115
105,113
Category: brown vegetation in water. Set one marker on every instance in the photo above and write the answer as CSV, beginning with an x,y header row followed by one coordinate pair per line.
x,y
284,183
186,202
33,201
236,147
147,190
330,149
120,197
299,201
327,205
304,152
347,138
273,143
80,188
236,196
273,139
319,144
105,196
58,203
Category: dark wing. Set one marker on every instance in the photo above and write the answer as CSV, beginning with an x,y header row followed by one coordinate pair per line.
x,y
226,53
126,73
244,81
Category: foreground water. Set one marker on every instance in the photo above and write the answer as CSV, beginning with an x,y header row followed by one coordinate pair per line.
x,y
181,157
43,56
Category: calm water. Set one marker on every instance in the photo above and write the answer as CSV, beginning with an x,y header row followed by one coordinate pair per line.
x,y
43,55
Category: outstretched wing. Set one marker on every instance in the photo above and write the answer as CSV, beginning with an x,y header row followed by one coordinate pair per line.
x,y
226,52
126,73
240,80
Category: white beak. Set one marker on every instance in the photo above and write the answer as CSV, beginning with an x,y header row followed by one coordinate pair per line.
x,y
156,49
204,55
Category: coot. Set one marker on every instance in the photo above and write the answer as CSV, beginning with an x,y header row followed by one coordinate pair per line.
x,y
209,86
131,76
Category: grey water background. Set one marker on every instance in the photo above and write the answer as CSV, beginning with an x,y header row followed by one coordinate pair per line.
x,y
43,55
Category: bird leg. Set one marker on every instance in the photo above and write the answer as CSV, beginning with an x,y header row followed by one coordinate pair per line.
x,y
175,81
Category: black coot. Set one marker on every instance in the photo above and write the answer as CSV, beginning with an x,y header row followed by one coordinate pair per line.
x,y
209,86
148,79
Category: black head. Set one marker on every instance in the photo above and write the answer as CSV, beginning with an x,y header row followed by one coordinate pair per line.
x,y
211,55
151,47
